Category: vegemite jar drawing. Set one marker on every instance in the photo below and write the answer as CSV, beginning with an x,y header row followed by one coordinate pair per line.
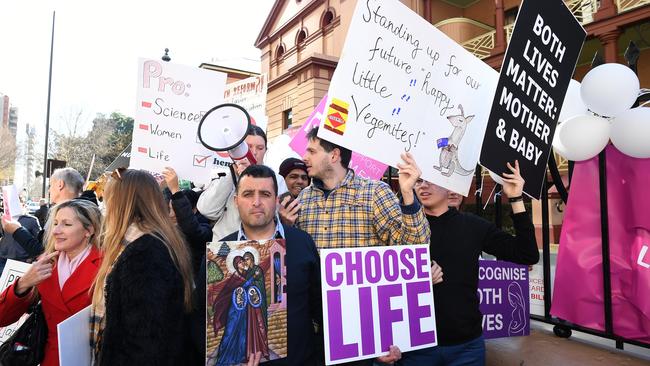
x,y
337,115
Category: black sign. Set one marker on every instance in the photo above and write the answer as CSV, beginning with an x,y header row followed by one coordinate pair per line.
x,y
53,165
121,161
537,67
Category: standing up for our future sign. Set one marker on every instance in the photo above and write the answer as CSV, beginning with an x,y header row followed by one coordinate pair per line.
x,y
534,77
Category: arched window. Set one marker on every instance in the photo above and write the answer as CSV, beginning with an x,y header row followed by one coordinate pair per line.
x,y
279,52
328,17
301,37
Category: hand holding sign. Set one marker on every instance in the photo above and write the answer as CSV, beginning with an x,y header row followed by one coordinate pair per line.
x,y
513,183
10,226
436,273
394,354
409,173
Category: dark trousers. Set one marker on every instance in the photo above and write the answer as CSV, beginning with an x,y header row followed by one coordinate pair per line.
x,y
470,353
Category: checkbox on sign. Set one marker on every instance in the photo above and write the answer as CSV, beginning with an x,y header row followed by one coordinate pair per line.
x,y
146,104
144,127
200,160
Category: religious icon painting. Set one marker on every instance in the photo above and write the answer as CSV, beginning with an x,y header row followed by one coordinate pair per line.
x,y
246,301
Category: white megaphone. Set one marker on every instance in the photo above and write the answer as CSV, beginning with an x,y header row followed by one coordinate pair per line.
x,y
224,128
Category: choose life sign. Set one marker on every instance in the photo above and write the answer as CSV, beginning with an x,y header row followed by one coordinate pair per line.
x,y
401,85
538,65
375,297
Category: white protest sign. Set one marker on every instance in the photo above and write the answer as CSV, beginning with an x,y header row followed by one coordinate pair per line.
x,y
403,85
251,95
74,339
375,297
171,100
11,202
13,269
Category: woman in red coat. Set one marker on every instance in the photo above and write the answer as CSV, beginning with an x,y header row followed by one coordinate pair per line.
x,y
63,275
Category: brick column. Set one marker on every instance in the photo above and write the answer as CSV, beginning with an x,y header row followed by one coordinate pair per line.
x,y
610,44
500,36
607,9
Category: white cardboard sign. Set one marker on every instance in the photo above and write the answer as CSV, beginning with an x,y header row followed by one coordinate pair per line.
x,y
171,100
403,85
13,269
251,94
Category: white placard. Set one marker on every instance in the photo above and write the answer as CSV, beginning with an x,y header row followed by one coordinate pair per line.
x,y
399,86
375,297
171,100
251,95
11,202
13,269
74,339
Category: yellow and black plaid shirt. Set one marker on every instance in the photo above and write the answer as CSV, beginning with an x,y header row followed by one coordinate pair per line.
x,y
360,212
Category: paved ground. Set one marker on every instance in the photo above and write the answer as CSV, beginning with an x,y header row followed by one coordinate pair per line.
x,y
542,347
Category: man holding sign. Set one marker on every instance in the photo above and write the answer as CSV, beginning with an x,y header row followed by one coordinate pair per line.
x,y
342,210
256,199
459,240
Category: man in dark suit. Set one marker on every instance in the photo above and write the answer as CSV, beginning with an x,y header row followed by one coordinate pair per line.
x,y
256,199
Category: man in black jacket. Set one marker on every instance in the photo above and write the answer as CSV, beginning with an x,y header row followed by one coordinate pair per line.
x,y
457,240
256,200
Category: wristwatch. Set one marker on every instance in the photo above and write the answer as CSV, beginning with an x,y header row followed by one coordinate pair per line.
x,y
516,199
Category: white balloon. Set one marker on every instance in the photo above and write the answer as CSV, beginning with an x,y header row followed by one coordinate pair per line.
x,y
557,143
631,132
610,89
573,104
498,179
583,137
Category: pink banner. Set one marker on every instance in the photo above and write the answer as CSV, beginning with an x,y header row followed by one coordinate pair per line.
x,y
362,165
578,288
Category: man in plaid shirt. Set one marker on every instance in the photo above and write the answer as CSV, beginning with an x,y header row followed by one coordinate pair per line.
x,y
342,210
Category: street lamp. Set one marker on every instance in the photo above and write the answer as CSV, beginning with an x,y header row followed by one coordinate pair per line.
x,y
166,57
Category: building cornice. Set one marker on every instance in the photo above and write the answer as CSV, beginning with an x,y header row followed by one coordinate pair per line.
x,y
265,38
317,60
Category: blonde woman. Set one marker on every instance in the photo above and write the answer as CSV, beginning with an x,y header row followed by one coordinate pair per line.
x,y
143,290
62,277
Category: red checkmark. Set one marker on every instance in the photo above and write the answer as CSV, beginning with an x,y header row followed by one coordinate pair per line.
x,y
200,159
144,127
146,104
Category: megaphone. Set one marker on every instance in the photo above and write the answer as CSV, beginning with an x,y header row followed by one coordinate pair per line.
x,y
224,128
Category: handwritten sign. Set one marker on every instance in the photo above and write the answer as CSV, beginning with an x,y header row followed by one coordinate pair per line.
x,y
11,202
363,166
402,85
376,297
503,296
251,95
171,100
538,65
13,269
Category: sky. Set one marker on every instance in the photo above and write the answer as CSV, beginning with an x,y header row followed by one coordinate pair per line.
x,y
97,45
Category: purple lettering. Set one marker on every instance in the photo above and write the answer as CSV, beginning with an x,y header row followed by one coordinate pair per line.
x,y
417,312
406,256
390,265
366,321
333,279
421,261
338,350
354,267
387,315
373,266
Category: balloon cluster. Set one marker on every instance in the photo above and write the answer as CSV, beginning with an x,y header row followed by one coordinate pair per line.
x,y
600,110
